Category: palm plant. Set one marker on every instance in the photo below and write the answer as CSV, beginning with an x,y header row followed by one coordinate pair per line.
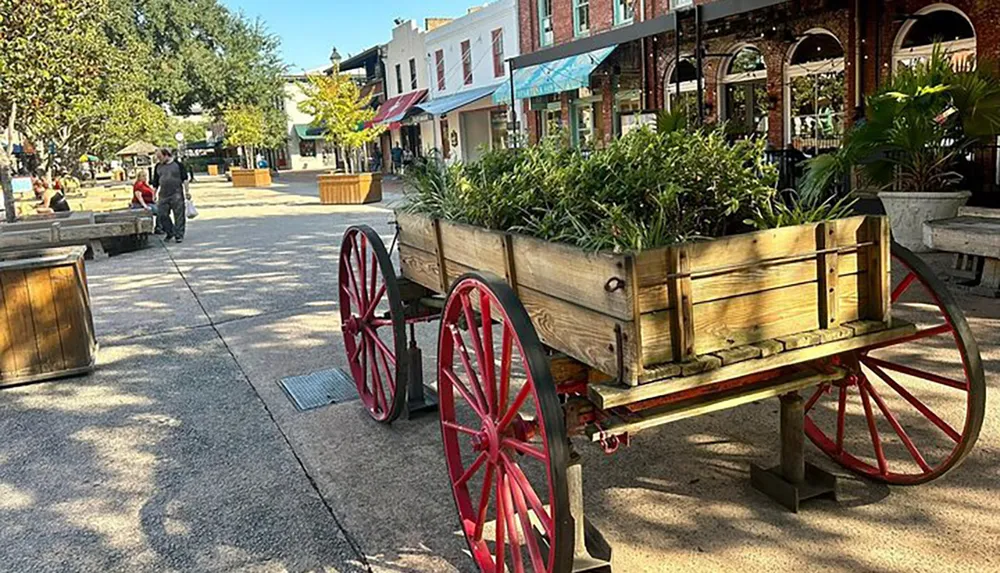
x,y
916,128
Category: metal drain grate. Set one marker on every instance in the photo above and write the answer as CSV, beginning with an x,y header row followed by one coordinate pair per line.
x,y
320,389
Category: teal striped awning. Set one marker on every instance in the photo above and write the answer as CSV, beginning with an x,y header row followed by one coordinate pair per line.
x,y
554,77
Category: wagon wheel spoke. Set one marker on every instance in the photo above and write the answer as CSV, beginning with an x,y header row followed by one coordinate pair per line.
x,y
374,263
377,389
373,305
500,549
463,353
508,511
534,552
815,397
919,335
488,365
929,376
898,428
903,286
484,502
471,470
873,429
379,344
506,351
524,448
515,406
463,391
916,403
459,428
841,413
529,492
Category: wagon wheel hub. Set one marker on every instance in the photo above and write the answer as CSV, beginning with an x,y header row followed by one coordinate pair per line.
x,y
488,440
352,326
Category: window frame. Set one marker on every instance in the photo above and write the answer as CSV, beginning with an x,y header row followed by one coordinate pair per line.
x,y
439,68
498,52
578,31
466,49
542,20
413,74
399,79
620,7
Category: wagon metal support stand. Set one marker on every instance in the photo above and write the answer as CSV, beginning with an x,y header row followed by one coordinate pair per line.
x,y
418,403
794,480
591,552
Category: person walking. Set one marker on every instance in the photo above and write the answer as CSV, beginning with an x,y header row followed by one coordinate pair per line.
x,y
170,178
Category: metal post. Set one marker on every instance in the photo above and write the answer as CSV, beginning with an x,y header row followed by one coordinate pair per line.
x,y
878,44
677,51
513,105
699,62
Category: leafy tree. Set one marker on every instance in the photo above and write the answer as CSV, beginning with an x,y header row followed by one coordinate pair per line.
x,y
253,127
336,104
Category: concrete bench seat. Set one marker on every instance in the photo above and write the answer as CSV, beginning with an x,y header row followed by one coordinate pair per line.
x,y
974,237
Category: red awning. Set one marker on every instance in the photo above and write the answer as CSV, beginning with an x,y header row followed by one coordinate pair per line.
x,y
394,110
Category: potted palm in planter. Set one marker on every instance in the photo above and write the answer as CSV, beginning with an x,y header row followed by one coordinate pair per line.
x,y
337,106
916,131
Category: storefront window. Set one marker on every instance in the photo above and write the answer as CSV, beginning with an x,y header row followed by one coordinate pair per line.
x,y
946,27
307,148
552,122
498,128
584,128
745,94
816,80
683,78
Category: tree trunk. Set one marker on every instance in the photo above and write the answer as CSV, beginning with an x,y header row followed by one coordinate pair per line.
x,y
6,163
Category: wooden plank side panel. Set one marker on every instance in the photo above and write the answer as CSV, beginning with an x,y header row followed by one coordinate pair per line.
x,y
17,302
46,321
574,275
747,319
583,334
473,247
420,267
72,316
416,231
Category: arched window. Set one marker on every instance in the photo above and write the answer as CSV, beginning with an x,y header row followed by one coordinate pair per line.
x,y
814,92
744,93
940,24
682,89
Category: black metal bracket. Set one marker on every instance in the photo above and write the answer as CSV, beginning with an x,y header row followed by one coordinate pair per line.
x,y
420,400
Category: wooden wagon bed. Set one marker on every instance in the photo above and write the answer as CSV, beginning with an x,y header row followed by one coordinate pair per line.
x,y
672,319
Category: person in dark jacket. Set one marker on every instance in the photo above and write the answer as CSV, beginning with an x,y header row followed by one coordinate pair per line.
x,y
170,178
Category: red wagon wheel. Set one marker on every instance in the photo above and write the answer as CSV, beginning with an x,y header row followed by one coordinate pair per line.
x,y
912,408
371,314
504,431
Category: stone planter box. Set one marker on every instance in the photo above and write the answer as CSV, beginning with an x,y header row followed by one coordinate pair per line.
x,y
251,177
354,189
47,330
909,211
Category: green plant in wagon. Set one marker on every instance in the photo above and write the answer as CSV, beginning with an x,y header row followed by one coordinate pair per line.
x,y
646,190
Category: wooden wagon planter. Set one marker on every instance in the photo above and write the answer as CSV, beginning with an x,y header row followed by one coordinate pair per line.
x,y
542,342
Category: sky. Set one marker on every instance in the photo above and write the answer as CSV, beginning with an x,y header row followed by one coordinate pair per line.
x,y
309,29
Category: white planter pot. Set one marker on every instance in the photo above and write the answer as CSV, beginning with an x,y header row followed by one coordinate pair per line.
x,y
909,211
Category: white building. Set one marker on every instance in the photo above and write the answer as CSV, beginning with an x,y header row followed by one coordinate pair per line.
x,y
466,62
406,85
306,147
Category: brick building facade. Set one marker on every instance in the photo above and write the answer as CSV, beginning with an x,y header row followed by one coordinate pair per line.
x,y
870,35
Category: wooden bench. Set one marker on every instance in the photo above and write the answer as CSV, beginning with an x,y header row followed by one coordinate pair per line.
x,y
974,237
116,231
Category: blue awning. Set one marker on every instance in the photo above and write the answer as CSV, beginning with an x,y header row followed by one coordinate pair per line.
x,y
554,77
443,105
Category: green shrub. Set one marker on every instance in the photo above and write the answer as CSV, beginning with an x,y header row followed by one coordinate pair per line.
x,y
643,191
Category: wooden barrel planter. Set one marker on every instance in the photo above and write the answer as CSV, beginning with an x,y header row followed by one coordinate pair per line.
x,y
350,189
46,325
251,177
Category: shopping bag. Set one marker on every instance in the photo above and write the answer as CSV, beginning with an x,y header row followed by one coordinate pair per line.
x,y
192,211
